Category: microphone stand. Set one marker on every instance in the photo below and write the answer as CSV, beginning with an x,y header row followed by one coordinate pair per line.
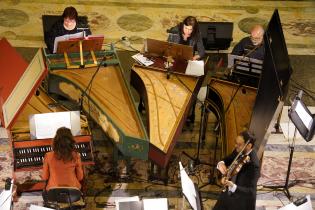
x,y
196,160
84,32
169,65
204,109
91,80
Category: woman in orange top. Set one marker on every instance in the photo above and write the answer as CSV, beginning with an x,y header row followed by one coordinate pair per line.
x,y
62,167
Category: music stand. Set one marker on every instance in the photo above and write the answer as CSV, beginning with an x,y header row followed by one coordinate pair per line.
x,y
87,44
163,48
245,69
190,190
162,51
304,122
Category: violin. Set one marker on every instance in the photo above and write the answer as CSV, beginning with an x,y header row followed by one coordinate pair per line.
x,y
237,164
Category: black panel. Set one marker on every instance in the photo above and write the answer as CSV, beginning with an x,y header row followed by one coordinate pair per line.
x,y
274,81
266,100
216,35
279,52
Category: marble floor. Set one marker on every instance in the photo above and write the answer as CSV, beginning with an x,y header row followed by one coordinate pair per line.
x,y
21,24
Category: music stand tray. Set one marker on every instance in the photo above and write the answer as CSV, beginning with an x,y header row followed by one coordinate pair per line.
x,y
244,65
88,44
163,48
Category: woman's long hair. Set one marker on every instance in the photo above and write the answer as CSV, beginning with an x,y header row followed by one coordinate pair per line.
x,y
63,144
190,21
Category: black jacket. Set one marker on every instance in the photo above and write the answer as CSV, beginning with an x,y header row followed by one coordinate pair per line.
x,y
244,198
245,47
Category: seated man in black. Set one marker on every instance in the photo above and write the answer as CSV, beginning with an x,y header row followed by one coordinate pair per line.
x,y
251,46
68,24
241,189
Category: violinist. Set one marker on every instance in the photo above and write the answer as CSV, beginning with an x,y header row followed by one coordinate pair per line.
x,y
240,180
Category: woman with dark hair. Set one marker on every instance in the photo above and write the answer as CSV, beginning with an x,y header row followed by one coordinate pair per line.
x,y
187,33
62,167
67,24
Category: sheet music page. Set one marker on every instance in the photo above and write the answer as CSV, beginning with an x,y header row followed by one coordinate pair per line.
x,y
188,187
304,116
47,124
66,37
195,68
155,204
142,59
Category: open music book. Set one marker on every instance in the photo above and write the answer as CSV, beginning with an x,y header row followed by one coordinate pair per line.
x,y
195,68
45,125
65,38
76,36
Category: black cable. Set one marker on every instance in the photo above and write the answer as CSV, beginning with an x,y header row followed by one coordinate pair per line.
x,y
306,90
307,94
107,188
89,86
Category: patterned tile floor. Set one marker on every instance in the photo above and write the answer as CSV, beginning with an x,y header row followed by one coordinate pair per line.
x,y
103,188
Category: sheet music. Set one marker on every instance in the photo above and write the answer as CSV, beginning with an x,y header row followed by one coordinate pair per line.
x,y
155,204
195,68
305,206
47,124
188,187
142,59
66,37
303,115
243,60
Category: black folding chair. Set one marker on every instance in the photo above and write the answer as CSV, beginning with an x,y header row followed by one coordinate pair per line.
x,y
64,198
